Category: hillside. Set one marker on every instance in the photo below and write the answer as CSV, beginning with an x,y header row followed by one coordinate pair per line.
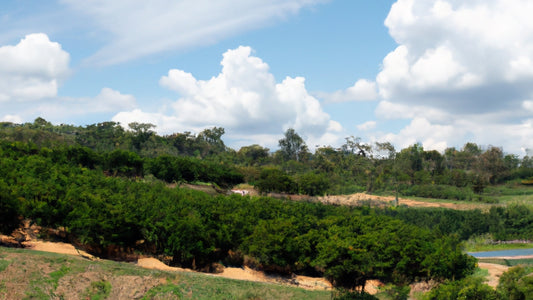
x,y
125,195
42,275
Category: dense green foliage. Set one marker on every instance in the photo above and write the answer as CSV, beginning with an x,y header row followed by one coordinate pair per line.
x,y
461,174
69,187
468,289
108,187
515,284
502,223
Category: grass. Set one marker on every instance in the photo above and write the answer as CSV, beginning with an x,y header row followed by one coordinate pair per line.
x,y
485,243
166,291
49,275
98,290
199,286
483,273
508,262
511,193
3,264
505,194
496,247
42,286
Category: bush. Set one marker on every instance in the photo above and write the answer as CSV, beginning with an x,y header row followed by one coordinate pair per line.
x,y
466,289
351,295
188,169
439,191
124,163
275,180
313,184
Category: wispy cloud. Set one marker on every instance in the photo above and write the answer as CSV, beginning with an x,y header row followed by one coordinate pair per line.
x,y
137,28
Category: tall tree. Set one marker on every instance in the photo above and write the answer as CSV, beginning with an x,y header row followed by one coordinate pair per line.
x,y
212,137
292,146
253,155
141,133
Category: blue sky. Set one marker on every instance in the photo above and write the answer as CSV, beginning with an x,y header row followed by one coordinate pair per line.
x,y
438,72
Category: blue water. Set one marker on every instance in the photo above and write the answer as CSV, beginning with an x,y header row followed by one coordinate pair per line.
x,y
513,252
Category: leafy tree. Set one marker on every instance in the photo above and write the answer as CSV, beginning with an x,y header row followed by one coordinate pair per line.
x,y
141,133
253,155
292,146
105,136
275,180
346,264
9,209
211,139
509,287
185,143
468,157
124,163
492,164
313,184
448,261
274,243
526,286
41,123
353,145
466,289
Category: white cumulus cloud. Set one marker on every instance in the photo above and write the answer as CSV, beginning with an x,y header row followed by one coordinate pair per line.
x,y
11,118
362,90
65,109
30,75
462,71
459,55
420,130
32,69
244,98
367,126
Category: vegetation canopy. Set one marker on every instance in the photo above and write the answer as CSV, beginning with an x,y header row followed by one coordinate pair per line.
x,y
110,188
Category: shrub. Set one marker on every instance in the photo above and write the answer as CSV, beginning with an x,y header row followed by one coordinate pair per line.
x,y
275,180
313,184
439,191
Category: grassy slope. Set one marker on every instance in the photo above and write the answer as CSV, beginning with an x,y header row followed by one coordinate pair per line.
x,y
27,274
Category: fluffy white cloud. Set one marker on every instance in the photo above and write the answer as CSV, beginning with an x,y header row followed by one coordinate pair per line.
x,y
459,55
395,110
107,101
244,99
32,69
528,105
420,130
138,28
362,90
483,129
367,126
11,118
63,109
461,67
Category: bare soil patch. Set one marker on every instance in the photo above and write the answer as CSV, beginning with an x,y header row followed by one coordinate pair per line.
x,y
495,271
57,247
123,287
156,264
359,199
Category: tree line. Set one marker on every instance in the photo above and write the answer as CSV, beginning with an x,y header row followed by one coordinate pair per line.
x,y
355,166
108,188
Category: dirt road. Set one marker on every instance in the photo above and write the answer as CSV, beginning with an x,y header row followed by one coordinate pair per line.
x,y
358,199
